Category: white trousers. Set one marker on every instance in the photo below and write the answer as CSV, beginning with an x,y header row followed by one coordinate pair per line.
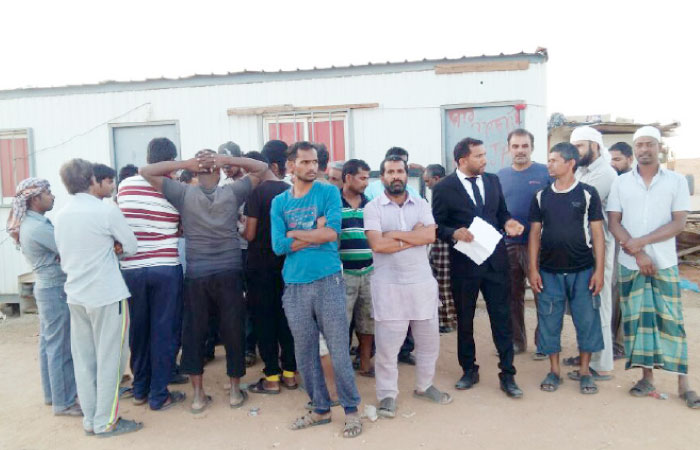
x,y
389,336
603,360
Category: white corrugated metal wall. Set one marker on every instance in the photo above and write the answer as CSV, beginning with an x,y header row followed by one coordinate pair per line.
x,y
408,115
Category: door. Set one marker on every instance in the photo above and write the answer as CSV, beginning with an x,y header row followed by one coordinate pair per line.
x,y
490,124
130,142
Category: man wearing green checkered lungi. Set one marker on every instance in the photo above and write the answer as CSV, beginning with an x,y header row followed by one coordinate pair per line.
x,y
647,208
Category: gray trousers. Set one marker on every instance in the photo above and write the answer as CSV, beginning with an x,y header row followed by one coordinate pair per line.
x,y
55,360
99,339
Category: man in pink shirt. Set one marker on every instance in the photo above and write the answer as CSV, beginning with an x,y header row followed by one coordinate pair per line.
x,y
399,226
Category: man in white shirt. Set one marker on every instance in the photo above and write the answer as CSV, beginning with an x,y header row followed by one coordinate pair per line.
x,y
647,209
87,232
594,170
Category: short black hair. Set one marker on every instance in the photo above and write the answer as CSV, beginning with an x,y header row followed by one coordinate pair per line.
x,y
230,148
622,147
396,151
435,170
323,156
274,150
353,166
160,149
101,172
77,175
521,132
127,171
186,176
392,158
567,151
256,156
464,147
301,145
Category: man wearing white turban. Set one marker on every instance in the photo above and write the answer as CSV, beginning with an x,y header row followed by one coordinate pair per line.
x,y
594,170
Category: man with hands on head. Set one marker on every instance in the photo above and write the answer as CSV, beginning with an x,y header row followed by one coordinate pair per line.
x,y
213,281
458,199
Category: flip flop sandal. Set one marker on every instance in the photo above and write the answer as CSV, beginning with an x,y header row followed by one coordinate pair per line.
x,y
434,395
207,402
691,399
353,427
572,361
551,382
139,401
175,398
587,386
241,402
576,375
537,356
642,389
122,426
367,373
291,387
126,392
310,405
387,408
307,421
259,388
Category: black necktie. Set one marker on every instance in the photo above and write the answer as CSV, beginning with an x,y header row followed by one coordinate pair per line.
x,y
477,195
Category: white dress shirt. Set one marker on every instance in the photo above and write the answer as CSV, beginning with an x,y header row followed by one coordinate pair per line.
x,y
468,185
647,209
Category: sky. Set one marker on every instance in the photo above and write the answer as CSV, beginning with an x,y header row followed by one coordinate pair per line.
x,y
627,59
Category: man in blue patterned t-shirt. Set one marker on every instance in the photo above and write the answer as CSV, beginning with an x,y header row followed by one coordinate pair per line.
x,y
305,223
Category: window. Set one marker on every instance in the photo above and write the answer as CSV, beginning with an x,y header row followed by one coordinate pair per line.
x,y
14,161
329,128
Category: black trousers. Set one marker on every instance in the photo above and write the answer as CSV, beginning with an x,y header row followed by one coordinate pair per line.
x,y
222,294
496,287
275,342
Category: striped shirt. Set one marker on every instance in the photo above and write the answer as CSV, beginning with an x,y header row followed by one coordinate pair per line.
x,y
355,253
154,222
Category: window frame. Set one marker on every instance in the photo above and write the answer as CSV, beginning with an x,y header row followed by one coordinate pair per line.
x,y
21,132
310,117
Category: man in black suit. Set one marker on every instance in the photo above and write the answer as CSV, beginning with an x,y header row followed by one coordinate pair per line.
x,y
457,200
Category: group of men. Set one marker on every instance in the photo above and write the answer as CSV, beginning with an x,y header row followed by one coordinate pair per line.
x,y
326,258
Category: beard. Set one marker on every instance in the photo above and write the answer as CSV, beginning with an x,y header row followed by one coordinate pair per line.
x,y
396,188
586,159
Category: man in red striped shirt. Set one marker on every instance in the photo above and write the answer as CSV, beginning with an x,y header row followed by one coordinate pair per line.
x,y
154,278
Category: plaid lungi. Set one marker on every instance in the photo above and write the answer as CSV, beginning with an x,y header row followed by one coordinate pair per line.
x,y
440,262
652,320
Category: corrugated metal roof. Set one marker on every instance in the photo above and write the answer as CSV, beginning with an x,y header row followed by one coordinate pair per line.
x,y
246,76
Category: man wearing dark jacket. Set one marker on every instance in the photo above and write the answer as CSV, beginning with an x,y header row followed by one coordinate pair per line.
x,y
457,200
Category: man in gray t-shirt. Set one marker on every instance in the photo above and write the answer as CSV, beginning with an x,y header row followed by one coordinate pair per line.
x,y
213,282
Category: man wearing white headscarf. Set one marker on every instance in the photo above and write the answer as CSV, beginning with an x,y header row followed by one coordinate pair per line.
x,y
594,170
34,234
647,209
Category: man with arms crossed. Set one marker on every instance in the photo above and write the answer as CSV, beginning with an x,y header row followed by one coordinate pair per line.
x,y
399,226
305,226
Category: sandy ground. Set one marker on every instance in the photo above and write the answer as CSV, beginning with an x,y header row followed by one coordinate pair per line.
x,y
480,418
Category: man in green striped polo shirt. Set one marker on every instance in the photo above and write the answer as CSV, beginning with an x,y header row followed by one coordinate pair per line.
x,y
356,256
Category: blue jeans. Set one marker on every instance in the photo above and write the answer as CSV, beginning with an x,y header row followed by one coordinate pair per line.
x,y
55,358
558,288
155,310
316,307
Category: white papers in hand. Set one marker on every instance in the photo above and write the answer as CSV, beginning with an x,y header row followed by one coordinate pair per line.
x,y
485,240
